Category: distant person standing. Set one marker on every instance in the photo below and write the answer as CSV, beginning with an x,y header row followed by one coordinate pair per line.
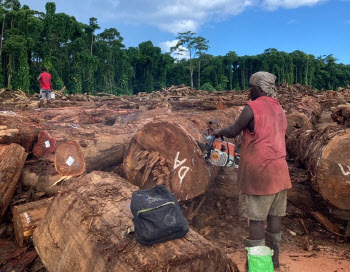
x,y
44,80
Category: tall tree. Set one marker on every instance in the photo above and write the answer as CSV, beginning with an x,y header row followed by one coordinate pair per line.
x,y
186,47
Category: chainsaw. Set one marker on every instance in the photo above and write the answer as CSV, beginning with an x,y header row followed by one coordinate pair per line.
x,y
220,152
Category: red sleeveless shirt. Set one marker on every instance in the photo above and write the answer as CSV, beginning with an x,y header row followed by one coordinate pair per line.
x,y
263,169
45,81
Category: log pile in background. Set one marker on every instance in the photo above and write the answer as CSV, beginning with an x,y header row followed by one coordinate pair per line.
x,y
85,229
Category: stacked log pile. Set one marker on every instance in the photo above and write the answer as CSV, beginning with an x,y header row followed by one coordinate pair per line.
x,y
156,136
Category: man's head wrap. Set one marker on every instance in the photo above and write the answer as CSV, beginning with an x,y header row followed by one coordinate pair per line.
x,y
266,82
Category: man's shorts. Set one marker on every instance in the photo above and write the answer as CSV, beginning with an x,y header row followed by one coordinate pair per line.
x,y
259,207
45,94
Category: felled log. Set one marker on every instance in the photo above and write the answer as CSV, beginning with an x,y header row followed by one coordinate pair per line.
x,y
325,153
105,146
166,152
12,158
85,229
26,218
341,114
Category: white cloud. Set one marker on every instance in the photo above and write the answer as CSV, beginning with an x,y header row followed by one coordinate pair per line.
x,y
169,15
275,4
347,21
165,46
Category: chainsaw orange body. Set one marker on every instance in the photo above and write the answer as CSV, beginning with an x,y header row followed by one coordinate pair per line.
x,y
221,153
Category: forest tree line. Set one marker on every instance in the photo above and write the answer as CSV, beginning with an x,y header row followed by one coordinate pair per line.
x,y
86,59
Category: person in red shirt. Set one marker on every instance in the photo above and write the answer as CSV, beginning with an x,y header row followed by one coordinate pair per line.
x,y
263,173
44,80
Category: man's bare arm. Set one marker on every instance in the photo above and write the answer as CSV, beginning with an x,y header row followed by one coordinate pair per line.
x,y
241,123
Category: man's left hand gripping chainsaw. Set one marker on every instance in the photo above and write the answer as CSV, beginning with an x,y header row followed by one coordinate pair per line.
x,y
220,152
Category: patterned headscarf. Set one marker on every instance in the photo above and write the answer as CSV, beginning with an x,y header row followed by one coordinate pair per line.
x,y
266,81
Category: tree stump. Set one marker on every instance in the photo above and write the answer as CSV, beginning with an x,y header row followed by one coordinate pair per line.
x,y
12,158
26,217
85,229
166,152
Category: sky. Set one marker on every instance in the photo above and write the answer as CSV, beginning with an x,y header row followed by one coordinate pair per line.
x,y
247,27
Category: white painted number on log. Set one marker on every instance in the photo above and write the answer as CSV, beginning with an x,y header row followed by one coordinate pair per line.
x,y
69,161
183,169
27,217
47,144
345,173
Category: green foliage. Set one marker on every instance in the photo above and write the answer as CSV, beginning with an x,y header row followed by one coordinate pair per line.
x,y
208,87
87,61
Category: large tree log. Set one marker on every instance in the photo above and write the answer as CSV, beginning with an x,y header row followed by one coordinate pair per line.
x,y
85,229
326,155
166,152
104,146
26,218
12,158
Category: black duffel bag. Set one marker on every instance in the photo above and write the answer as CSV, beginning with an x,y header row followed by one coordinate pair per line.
x,y
157,216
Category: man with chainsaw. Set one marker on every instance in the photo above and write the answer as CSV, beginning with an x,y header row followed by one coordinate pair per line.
x,y
263,172
44,80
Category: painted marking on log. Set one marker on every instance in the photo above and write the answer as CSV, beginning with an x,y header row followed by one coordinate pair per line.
x,y
183,169
69,161
47,144
344,172
27,217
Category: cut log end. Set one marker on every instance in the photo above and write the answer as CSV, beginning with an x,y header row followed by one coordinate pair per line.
x,y
45,145
69,159
333,172
165,153
297,120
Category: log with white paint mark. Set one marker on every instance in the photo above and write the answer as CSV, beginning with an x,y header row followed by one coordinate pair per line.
x,y
26,217
326,153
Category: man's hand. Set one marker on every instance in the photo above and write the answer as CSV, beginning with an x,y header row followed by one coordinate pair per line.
x,y
217,132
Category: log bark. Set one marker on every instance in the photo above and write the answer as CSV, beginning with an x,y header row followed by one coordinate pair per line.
x,y
26,218
18,129
12,158
85,229
341,114
325,154
166,152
